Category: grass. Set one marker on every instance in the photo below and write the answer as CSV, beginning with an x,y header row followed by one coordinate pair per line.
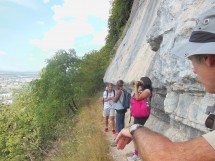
x,y
83,139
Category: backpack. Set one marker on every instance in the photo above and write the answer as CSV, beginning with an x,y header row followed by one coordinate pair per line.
x,y
107,95
126,99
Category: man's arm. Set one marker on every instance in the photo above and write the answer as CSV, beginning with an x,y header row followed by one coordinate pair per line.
x,y
105,96
154,147
107,99
117,96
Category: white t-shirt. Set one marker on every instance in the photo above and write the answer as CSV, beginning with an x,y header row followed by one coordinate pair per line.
x,y
210,137
108,104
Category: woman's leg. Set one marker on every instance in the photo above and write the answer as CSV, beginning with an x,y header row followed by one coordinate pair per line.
x,y
140,121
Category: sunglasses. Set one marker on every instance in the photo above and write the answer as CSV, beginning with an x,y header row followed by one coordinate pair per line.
x,y
210,121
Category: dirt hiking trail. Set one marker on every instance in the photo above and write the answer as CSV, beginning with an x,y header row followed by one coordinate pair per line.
x,y
120,155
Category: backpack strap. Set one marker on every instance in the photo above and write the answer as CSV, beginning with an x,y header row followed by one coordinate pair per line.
x,y
107,92
123,99
129,119
124,95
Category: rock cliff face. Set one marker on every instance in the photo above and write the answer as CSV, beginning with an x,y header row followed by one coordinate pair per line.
x,y
156,27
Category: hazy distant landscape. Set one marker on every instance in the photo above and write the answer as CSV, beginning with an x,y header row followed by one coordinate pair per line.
x,y
10,81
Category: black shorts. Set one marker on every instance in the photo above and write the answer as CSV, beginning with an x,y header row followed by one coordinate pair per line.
x,y
141,120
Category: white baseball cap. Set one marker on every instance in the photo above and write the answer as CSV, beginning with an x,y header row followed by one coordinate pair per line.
x,y
202,39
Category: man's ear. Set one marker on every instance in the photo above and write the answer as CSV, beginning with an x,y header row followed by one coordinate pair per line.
x,y
210,60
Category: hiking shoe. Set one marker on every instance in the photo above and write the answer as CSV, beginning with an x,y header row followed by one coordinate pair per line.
x,y
133,157
106,129
113,132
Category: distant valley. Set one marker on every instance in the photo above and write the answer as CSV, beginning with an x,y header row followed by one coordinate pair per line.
x,y
10,81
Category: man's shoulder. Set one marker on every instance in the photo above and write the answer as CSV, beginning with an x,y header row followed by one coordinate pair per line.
x,y
210,137
105,93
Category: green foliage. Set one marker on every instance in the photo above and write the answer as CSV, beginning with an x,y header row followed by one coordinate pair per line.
x,y
90,74
119,15
29,124
18,130
54,91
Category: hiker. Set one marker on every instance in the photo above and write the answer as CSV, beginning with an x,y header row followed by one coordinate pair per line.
x,y
120,110
142,90
108,110
200,50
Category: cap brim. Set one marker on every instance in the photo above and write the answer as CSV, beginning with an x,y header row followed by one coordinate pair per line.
x,y
190,48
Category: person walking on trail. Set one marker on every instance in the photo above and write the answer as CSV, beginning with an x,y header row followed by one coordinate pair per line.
x,y
120,110
109,110
144,92
200,50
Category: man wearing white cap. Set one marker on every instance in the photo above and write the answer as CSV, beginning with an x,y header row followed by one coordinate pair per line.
x,y
200,50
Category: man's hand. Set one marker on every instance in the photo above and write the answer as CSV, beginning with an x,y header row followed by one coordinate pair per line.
x,y
123,138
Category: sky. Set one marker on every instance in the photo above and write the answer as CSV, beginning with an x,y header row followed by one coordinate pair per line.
x,y
31,31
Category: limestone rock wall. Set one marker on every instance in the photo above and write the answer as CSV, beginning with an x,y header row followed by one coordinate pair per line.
x,y
156,28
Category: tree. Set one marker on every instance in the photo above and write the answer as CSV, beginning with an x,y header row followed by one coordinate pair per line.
x,y
55,90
